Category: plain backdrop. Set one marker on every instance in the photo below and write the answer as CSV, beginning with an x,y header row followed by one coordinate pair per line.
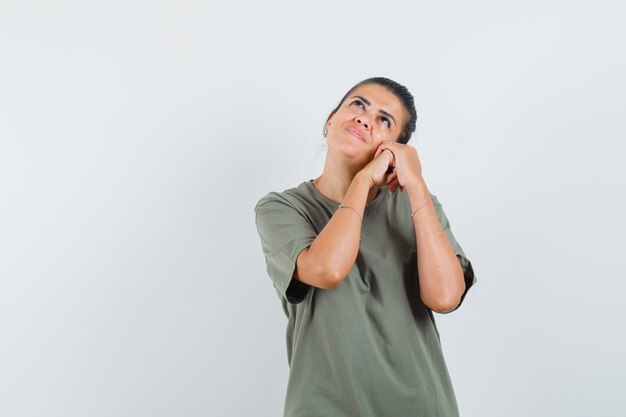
x,y
137,136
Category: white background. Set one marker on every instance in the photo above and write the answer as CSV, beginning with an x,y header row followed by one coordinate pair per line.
x,y
136,138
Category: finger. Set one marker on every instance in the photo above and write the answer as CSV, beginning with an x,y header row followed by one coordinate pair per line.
x,y
382,147
392,161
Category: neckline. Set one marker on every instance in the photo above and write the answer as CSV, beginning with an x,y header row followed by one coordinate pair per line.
x,y
382,193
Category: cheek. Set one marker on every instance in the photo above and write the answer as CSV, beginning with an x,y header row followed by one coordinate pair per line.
x,y
375,145
384,135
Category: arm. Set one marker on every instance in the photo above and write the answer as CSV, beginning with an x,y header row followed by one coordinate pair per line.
x,y
441,280
332,254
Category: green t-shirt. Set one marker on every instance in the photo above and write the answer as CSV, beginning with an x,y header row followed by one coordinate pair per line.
x,y
368,347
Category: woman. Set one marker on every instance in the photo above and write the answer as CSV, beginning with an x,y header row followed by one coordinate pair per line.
x,y
360,257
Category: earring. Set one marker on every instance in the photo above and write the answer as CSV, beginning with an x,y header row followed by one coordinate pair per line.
x,y
325,130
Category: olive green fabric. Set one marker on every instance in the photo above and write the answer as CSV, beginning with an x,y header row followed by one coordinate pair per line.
x,y
368,347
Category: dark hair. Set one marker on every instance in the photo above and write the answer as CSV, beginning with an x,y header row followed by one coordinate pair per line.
x,y
399,91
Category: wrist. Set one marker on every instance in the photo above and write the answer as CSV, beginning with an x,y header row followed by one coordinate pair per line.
x,y
418,193
418,185
364,178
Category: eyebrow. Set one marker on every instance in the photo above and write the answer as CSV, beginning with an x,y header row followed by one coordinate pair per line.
x,y
366,101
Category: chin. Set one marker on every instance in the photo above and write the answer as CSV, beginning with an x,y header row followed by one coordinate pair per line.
x,y
353,153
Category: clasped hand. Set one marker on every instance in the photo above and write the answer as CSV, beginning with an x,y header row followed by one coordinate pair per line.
x,y
396,165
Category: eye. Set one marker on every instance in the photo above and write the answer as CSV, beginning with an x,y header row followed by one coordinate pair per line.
x,y
386,121
358,103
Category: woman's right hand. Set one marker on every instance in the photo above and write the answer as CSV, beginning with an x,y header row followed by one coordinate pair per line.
x,y
378,168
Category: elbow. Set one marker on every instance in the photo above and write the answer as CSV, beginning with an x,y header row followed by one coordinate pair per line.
x,y
333,278
449,298
319,272
443,304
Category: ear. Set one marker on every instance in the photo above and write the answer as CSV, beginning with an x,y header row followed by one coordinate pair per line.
x,y
332,114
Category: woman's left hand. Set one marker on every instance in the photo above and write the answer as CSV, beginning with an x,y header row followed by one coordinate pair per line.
x,y
408,169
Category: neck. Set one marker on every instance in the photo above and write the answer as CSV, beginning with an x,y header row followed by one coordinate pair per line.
x,y
336,179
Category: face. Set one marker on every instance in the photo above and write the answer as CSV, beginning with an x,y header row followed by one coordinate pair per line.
x,y
369,116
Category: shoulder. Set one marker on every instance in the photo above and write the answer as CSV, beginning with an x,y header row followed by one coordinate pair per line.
x,y
300,200
287,197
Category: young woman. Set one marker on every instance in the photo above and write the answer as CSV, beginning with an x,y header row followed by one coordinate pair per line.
x,y
360,257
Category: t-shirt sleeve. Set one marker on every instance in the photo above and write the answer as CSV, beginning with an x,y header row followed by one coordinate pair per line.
x,y
284,233
466,265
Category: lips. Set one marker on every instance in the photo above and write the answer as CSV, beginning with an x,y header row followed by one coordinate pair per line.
x,y
355,132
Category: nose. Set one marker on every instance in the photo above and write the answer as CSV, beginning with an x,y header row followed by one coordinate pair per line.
x,y
363,121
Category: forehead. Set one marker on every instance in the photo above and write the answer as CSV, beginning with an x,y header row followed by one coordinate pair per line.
x,y
381,98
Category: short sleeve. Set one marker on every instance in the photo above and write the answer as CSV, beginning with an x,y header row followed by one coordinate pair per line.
x,y
466,265
284,233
